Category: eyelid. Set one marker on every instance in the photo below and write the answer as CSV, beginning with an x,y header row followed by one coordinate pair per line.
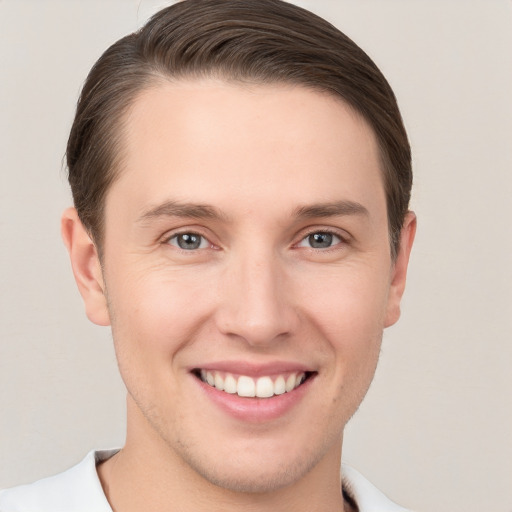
x,y
203,244
303,234
344,237
192,230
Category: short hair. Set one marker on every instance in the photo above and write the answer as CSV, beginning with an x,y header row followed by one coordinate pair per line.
x,y
261,42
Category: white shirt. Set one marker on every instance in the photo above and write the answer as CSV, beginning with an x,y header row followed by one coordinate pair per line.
x,y
79,490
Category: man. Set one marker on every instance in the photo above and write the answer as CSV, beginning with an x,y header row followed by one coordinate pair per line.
x,y
241,179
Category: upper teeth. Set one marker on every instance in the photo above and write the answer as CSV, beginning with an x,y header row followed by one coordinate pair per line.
x,y
262,387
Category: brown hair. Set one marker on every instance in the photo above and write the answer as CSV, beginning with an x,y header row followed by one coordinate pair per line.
x,y
264,41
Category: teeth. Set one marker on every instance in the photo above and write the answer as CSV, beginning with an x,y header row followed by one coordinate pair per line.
x,y
219,381
246,386
279,385
230,384
290,382
263,387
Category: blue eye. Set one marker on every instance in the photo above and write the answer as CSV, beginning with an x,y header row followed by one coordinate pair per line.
x,y
320,240
189,241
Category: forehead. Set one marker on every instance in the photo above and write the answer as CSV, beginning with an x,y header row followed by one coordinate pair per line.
x,y
210,138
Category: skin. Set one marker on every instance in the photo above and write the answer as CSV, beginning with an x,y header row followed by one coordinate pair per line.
x,y
261,157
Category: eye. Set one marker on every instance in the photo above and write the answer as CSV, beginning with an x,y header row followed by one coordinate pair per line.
x,y
189,241
320,240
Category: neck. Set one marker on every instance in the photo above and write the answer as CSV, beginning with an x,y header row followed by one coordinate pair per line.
x,y
147,474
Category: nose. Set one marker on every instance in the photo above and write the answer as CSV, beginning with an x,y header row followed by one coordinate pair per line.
x,y
256,303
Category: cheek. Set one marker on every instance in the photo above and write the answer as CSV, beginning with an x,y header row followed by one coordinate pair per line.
x,y
154,315
154,312
347,303
348,311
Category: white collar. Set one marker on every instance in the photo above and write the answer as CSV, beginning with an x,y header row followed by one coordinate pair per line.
x,y
79,490
366,496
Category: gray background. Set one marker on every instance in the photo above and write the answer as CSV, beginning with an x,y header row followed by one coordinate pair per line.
x,y
435,429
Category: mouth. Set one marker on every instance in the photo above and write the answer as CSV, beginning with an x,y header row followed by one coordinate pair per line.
x,y
265,386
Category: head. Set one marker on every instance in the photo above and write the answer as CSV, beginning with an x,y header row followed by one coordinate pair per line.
x,y
241,176
265,42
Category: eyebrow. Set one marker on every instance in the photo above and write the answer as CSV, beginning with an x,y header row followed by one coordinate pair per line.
x,y
204,211
334,209
177,209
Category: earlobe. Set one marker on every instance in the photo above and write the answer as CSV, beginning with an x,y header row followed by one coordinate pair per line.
x,y
399,271
86,267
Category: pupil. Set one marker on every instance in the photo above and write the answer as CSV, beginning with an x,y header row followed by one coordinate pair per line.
x,y
320,240
189,241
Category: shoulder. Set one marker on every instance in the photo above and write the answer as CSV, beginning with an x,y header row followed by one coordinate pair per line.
x,y
367,497
76,490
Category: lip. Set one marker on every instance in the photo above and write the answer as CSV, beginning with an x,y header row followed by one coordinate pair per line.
x,y
255,410
254,370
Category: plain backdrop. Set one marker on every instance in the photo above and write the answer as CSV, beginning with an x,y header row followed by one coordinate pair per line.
x,y
435,431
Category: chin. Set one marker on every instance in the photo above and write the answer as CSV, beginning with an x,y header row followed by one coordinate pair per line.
x,y
257,469
267,478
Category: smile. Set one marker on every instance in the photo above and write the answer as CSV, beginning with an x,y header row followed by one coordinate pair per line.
x,y
248,387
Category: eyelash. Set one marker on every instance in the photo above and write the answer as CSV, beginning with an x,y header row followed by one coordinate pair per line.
x,y
175,236
342,240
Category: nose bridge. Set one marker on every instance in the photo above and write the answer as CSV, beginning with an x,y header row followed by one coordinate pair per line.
x,y
255,290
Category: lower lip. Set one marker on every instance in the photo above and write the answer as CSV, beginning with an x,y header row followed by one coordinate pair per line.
x,y
255,410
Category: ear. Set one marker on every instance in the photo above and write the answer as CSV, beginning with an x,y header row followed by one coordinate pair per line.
x,y
86,267
399,270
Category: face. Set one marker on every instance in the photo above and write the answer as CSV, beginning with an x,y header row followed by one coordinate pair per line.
x,y
248,277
